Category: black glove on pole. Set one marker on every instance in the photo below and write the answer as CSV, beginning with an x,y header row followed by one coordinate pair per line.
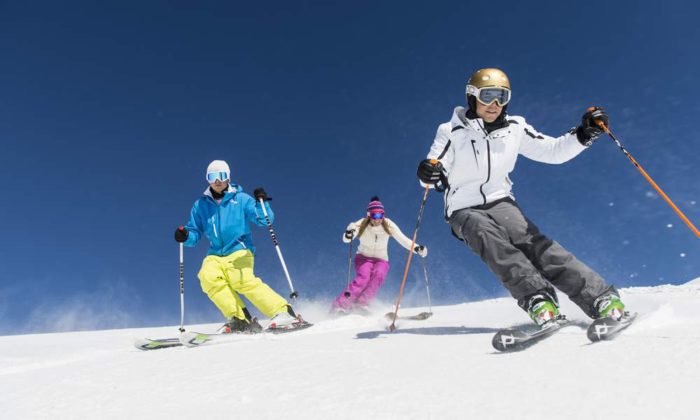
x,y
259,193
181,234
430,171
590,130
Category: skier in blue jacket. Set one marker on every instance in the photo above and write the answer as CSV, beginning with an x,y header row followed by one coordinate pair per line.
x,y
223,215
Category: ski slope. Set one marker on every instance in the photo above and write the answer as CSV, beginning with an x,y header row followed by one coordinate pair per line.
x,y
352,367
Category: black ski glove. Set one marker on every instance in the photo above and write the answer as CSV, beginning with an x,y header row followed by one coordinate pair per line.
x,y
589,130
181,234
430,173
260,193
349,234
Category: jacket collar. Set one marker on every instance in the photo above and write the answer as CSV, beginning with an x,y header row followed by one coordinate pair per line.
x,y
232,190
462,117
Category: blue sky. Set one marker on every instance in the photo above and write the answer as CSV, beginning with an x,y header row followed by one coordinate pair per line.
x,y
110,113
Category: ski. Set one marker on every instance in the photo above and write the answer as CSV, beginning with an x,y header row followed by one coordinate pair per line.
x,y
156,344
300,324
197,339
513,339
418,317
608,328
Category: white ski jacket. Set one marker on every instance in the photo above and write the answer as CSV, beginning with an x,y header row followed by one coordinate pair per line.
x,y
477,164
374,241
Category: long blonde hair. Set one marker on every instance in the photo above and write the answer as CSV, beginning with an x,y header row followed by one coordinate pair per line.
x,y
368,219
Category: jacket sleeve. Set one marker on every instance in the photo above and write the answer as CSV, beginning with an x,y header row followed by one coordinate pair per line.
x,y
194,226
253,210
399,236
352,226
546,149
442,148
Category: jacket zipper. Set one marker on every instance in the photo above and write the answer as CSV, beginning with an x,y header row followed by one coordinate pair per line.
x,y
488,173
221,237
476,159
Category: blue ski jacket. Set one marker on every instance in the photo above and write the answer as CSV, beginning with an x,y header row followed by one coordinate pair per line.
x,y
225,224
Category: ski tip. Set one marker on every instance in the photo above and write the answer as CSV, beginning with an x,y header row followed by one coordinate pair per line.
x,y
294,327
607,328
157,344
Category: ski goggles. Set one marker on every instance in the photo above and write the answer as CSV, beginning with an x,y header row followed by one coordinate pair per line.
x,y
212,177
377,215
489,95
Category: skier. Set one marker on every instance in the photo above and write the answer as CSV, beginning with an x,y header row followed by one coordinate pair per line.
x,y
476,151
222,214
372,259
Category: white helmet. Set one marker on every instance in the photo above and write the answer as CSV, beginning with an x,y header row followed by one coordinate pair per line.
x,y
218,169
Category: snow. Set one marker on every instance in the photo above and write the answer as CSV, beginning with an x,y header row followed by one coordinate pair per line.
x,y
352,367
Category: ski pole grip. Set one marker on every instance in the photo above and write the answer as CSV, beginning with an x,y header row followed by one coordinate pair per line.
x,y
599,123
602,125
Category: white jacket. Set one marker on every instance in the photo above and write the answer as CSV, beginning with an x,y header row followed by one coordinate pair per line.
x,y
477,164
374,241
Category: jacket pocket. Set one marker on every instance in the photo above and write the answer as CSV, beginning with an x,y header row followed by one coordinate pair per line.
x,y
476,157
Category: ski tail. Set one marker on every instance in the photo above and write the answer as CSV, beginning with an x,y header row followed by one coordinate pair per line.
x,y
513,339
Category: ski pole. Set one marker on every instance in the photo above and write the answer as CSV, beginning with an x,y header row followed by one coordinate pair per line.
x,y
182,286
294,294
392,327
427,286
658,189
347,288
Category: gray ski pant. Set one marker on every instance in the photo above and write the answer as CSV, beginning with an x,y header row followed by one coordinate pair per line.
x,y
526,261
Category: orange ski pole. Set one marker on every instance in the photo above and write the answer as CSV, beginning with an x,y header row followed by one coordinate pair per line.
x,y
644,173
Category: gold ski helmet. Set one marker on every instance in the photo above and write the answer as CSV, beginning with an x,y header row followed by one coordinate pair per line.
x,y
487,86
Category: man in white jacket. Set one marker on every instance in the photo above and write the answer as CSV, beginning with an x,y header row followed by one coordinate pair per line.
x,y
475,152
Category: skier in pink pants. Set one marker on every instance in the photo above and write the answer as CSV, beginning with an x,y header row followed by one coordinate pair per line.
x,y
372,259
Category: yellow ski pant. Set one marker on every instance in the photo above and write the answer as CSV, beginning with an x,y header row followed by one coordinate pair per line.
x,y
223,278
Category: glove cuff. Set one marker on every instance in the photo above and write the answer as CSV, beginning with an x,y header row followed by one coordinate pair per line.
x,y
582,137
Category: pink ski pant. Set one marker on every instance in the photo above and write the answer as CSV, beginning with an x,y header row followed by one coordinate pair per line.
x,y
369,277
